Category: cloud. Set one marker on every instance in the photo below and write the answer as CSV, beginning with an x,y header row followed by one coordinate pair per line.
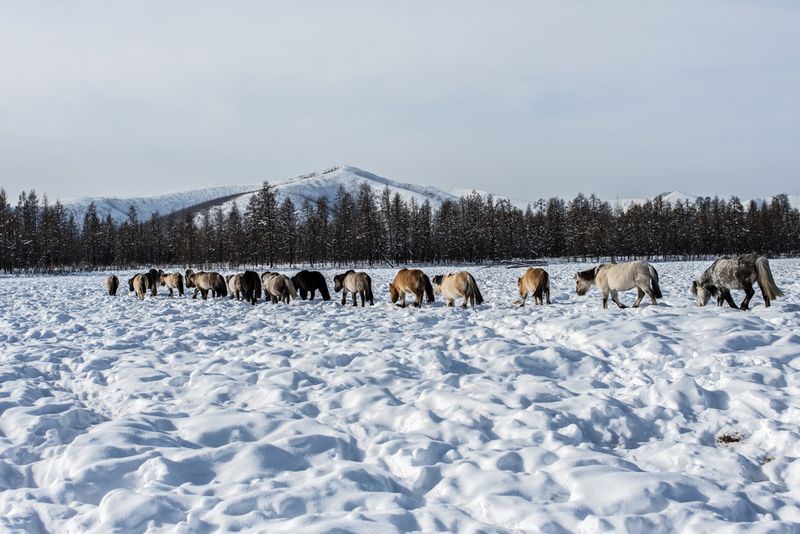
x,y
524,98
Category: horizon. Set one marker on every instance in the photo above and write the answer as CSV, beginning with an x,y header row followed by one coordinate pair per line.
x,y
529,100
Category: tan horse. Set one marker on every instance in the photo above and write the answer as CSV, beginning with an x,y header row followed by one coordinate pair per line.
x,y
139,284
355,283
454,285
203,282
172,281
112,283
235,286
411,281
535,281
279,287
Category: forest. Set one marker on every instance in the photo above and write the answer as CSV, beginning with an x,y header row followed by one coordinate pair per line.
x,y
372,227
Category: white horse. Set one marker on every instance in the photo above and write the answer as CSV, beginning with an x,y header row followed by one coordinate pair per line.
x,y
612,277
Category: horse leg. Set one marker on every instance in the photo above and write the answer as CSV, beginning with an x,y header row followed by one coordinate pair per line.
x,y
344,297
196,289
605,300
616,300
639,297
748,294
312,294
547,293
726,294
355,298
524,298
205,293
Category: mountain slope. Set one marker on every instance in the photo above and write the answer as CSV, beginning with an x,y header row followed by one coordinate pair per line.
x,y
310,186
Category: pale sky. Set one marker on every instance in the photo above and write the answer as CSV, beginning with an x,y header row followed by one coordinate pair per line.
x,y
527,99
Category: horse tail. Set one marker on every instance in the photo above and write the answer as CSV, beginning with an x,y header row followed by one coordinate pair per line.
x,y
543,287
258,288
222,286
472,287
428,287
290,288
180,284
765,279
538,291
323,289
368,291
654,281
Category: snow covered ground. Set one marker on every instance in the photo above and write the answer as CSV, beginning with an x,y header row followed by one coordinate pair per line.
x,y
178,415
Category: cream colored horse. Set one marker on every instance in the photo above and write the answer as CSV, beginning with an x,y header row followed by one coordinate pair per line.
x,y
355,283
611,278
279,287
454,285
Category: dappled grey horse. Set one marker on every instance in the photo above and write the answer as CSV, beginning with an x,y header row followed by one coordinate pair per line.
x,y
736,273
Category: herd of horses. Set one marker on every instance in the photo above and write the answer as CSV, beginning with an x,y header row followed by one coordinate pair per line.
x,y
724,275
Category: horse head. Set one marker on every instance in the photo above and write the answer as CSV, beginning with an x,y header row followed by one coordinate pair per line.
x,y
703,292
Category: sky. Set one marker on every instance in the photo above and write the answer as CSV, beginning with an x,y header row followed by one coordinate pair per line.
x,y
526,99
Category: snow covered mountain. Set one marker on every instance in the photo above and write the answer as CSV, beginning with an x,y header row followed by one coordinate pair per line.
x,y
309,186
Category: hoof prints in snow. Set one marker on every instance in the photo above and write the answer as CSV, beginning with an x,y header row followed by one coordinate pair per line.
x,y
183,415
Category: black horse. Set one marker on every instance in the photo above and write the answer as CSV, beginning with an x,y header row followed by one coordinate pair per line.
x,y
251,286
310,281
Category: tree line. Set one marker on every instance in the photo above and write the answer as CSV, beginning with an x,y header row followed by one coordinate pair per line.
x,y
377,227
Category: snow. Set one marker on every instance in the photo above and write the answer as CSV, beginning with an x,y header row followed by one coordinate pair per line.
x,y
179,415
312,186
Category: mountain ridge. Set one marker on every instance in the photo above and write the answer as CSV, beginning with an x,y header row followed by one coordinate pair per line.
x,y
308,186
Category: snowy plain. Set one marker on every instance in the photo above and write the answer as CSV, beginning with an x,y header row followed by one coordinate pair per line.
x,y
179,415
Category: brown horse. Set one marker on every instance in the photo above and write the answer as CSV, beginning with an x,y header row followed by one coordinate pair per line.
x,y
112,283
535,281
454,285
355,283
172,281
411,281
203,282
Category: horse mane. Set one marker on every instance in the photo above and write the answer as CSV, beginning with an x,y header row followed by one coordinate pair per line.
x,y
589,274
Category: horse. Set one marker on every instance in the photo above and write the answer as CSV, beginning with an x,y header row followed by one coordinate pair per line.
x,y
411,281
250,284
355,283
460,284
172,281
153,279
537,282
279,287
187,277
309,282
204,282
112,283
612,277
736,273
139,283
234,282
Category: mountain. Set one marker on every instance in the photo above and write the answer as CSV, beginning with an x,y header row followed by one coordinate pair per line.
x,y
309,186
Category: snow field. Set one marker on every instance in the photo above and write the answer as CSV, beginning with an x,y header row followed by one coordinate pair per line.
x,y
179,415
